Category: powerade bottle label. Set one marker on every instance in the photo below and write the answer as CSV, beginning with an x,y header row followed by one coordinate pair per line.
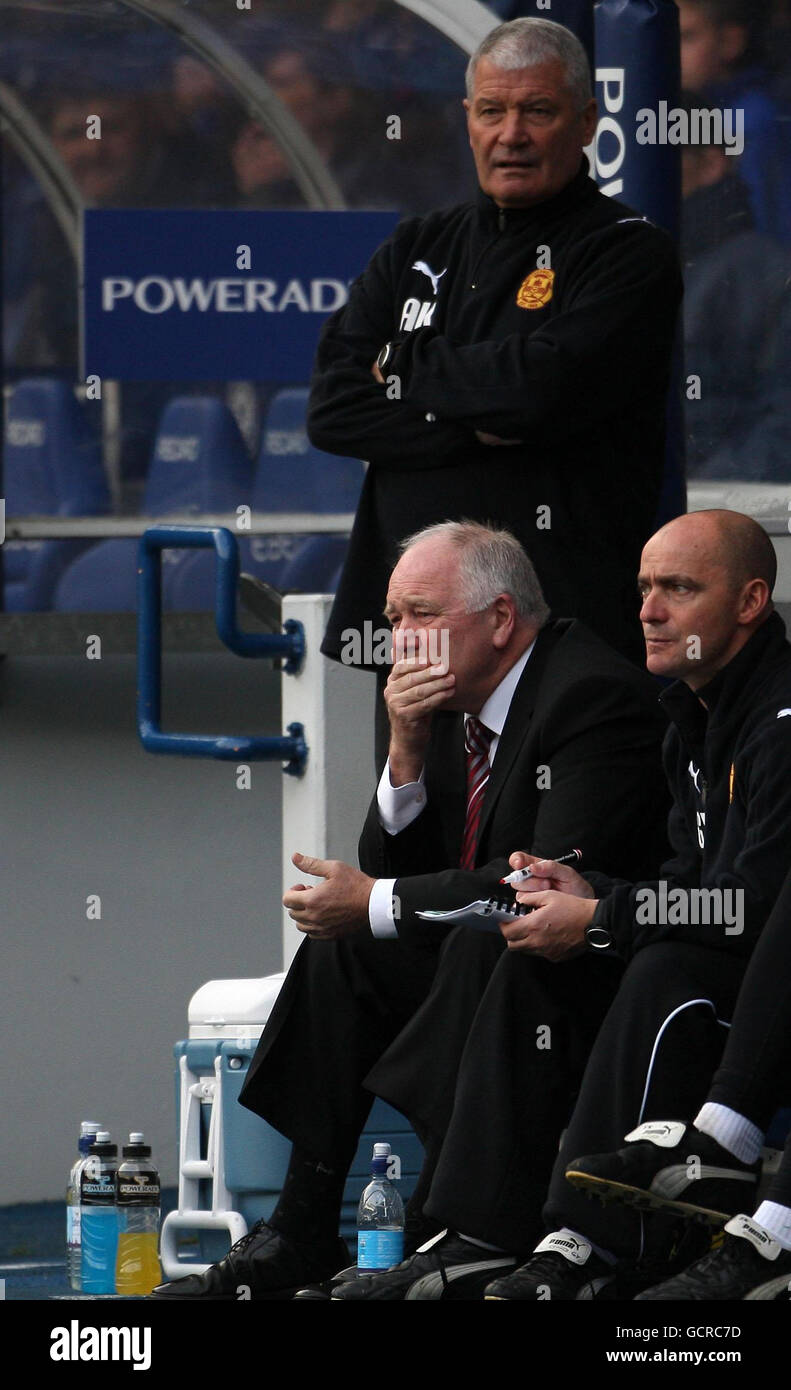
x,y
379,1249
99,1191
138,1189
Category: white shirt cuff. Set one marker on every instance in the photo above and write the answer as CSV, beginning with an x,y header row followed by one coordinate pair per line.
x,y
380,908
399,806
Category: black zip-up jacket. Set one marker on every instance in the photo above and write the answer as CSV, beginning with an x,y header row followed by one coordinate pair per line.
x,y
730,824
551,325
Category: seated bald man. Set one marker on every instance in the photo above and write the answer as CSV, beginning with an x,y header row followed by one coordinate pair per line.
x,y
706,581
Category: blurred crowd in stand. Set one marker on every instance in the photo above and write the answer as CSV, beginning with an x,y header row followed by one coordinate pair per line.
x,y
174,133
736,242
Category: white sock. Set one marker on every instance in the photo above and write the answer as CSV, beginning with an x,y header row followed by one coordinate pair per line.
x,y
733,1131
777,1221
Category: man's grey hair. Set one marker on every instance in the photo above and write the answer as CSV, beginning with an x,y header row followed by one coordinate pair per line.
x,y
491,562
524,43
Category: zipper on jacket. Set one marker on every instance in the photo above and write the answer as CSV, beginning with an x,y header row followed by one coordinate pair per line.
x,y
487,248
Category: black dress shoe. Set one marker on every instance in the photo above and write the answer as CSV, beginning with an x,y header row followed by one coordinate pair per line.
x,y
263,1264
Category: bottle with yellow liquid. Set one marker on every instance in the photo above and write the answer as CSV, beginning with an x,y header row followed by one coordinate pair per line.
x,y
137,1269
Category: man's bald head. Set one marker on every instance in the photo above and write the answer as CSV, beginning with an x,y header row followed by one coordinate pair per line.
x,y
706,582
732,540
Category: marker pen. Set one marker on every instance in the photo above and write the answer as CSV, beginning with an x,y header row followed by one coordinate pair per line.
x,y
520,875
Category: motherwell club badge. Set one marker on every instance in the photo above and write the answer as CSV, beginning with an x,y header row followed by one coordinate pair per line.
x,y
536,289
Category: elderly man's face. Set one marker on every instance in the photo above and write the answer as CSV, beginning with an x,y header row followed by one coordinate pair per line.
x,y
425,605
526,132
690,605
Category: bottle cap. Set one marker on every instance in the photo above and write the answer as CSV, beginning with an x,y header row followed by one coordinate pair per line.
x,y
89,1127
103,1145
381,1150
136,1150
136,1137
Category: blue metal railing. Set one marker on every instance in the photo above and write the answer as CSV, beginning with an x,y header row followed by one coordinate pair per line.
x,y
288,645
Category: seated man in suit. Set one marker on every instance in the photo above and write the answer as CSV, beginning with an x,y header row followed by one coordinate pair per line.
x,y
562,740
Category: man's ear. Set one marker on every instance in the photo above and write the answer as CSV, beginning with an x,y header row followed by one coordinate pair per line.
x,y
504,610
755,599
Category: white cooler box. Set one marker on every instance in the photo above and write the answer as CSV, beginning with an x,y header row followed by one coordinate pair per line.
x,y
231,1162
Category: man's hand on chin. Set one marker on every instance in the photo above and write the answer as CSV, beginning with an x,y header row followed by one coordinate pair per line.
x,y
336,907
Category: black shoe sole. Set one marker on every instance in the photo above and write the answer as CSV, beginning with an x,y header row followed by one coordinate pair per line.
x,y
607,1190
276,1295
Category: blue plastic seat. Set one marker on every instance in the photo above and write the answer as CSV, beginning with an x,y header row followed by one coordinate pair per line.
x,y
52,466
316,567
199,464
293,476
290,476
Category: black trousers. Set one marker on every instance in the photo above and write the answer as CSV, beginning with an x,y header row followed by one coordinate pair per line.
x,y
359,1017
653,1059
754,1076
339,1009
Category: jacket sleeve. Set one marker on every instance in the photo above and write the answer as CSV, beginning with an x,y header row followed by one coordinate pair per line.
x,y
603,791
614,333
349,411
732,916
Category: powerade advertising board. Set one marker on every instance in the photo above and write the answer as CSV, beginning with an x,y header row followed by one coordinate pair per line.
x,y
174,295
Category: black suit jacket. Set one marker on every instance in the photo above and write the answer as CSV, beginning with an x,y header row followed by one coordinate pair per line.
x,y
578,765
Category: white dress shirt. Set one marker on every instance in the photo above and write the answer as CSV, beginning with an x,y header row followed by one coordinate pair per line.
x,y
399,806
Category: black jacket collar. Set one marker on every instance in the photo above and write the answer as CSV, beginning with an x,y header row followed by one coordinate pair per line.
x,y
580,190
732,692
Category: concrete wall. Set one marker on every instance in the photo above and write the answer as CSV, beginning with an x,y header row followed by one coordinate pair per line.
x,y
188,871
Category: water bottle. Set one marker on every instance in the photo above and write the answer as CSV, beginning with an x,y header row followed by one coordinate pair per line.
x,y
137,1192
380,1218
88,1131
99,1223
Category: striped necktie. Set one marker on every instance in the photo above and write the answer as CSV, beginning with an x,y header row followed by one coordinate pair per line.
x,y
476,744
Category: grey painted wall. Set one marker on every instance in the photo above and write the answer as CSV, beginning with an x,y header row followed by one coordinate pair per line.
x,y
188,871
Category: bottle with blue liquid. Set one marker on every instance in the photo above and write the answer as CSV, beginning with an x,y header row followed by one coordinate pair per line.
x,y
99,1216
88,1131
380,1218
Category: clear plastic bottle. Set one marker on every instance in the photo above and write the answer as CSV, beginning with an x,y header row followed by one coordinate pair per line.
x,y
137,1269
380,1218
99,1220
88,1131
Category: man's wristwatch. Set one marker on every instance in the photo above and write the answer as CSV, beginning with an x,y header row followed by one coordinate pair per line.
x,y
597,936
387,354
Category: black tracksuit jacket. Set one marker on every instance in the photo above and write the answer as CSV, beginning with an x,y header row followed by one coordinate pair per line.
x,y
730,776
573,363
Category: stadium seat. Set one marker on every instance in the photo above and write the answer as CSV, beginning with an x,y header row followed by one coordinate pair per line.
x,y
291,476
52,466
199,464
315,567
